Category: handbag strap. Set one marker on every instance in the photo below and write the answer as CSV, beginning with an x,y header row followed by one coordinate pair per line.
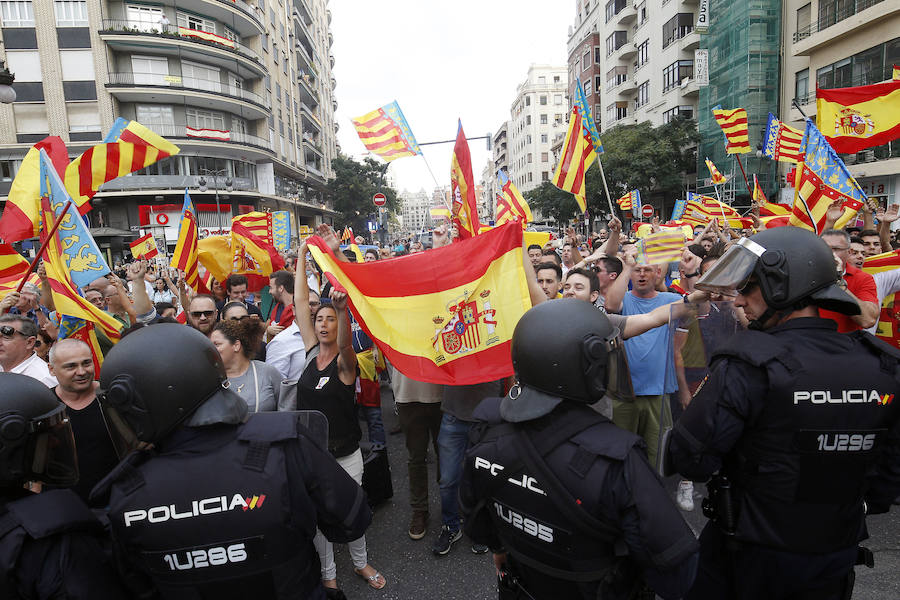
x,y
255,384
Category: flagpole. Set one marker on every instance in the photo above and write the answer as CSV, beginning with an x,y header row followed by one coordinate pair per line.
x,y
436,184
721,207
741,165
612,211
34,263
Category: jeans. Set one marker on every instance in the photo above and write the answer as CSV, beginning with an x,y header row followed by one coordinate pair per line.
x,y
372,415
452,441
353,464
420,422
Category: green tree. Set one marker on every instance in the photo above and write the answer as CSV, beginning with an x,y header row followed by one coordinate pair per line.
x,y
552,202
352,189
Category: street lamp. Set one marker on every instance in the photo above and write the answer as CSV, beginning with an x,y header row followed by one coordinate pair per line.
x,y
215,176
7,93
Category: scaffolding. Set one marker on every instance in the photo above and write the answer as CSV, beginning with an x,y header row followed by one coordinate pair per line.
x,y
744,43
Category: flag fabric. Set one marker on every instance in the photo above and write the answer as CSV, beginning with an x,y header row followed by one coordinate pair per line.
x,y
577,154
587,121
185,257
437,324
662,247
630,200
860,117
462,188
511,205
678,210
81,256
773,209
80,329
346,235
822,179
888,327
259,224
135,133
144,247
781,142
13,267
896,74
214,253
700,210
734,125
770,222
439,212
21,214
385,132
253,255
281,230
759,197
717,178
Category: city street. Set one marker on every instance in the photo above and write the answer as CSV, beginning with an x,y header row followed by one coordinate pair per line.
x,y
413,572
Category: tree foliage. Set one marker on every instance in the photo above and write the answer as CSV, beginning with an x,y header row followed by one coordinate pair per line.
x,y
352,189
552,202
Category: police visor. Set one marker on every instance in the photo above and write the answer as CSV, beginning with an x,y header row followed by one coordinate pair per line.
x,y
731,272
50,454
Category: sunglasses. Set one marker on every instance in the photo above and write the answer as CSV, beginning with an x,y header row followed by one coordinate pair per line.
x,y
202,313
8,332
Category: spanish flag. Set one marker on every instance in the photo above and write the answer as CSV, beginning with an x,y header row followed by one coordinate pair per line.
x,y
253,256
442,316
888,327
462,188
214,253
144,247
855,118
759,197
577,156
13,267
439,213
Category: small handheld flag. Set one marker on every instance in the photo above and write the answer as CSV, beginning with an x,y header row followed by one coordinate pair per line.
x,y
759,198
717,177
576,157
781,142
144,247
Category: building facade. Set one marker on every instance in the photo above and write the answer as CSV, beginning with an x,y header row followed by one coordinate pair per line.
x,y
415,213
244,89
831,44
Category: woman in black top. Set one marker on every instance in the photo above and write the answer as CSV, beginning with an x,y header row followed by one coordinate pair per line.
x,y
328,384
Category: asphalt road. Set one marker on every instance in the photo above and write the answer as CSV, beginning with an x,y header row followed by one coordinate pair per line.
x,y
413,572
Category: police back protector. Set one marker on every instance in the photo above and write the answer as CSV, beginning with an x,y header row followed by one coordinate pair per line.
x,y
800,467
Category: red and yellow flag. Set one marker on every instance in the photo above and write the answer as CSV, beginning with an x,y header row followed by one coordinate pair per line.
x,y
855,118
184,258
214,253
259,224
662,247
436,323
734,125
511,205
253,256
462,188
21,214
144,247
888,327
759,197
717,177
385,132
13,267
576,157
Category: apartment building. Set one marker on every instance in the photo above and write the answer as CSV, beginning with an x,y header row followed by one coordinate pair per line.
x,y
839,43
244,89
415,213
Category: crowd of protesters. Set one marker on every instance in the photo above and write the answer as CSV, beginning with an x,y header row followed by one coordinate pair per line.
x,y
294,345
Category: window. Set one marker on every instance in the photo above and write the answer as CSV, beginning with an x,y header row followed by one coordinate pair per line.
x,y
557,119
30,118
621,110
686,112
527,100
543,100
614,7
543,138
228,34
642,13
801,85
543,119
587,87
200,76
528,119
143,18
17,13
545,156
545,176
839,74
557,99
674,73
542,80
598,83
528,139
71,13
597,54
643,53
869,66
677,27
26,64
155,115
150,70
77,65
833,11
616,41
278,91
586,61
529,157
643,94
83,116
804,14
189,21
615,76
556,79
529,177
198,118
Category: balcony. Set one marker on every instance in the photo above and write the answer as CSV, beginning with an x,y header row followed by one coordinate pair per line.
x,y
840,24
301,29
624,52
689,42
807,103
689,87
305,54
626,15
153,87
124,35
244,18
308,94
309,118
627,87
305,13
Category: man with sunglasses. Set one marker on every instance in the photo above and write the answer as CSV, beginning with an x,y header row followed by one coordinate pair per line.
x,y
18,334
796,427
202,314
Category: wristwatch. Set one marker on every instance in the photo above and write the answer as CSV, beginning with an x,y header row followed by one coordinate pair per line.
x,y
694,274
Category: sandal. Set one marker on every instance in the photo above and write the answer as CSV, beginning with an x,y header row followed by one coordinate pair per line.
x,y
376,581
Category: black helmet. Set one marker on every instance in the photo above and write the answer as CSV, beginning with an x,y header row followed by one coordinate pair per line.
x,y
793,267
36,442
163,375
567,349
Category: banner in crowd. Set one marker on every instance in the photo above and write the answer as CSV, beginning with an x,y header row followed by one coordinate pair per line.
x,y
781,142
662,247
13,267
443,316
577,155
888,328
856,118
385,132
511,205
281,230
759,197
715,175
462,188
184,257
253,256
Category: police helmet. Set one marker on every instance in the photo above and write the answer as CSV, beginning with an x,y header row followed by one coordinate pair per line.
x,y
793,268
36,442
161,376
567,349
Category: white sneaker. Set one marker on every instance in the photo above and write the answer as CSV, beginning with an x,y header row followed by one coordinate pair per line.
x,y
685,496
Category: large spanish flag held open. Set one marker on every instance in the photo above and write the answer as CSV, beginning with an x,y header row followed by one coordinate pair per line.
x,y
855,118
462,187
442,316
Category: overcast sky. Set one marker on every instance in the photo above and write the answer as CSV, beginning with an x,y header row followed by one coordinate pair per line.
x,y
441,61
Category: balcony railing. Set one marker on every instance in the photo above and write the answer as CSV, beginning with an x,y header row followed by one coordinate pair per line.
x,y
191,83
835,17
181,132
124,26
868,78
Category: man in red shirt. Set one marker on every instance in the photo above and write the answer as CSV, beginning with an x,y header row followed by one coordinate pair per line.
x,y
281,287
858,284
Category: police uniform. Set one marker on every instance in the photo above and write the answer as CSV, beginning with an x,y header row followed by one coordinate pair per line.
x,y
801,425
557,486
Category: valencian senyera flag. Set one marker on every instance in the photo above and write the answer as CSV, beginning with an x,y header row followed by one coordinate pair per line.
x,y
781,142
734,125
855,118
822,179
888,326
184,257
510,203
587,121
715,175
462,188
629,200
437,324
577,155
385,132
662,247
21,213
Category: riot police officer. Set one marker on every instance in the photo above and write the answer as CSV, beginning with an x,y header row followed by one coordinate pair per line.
x,y
798,421
50,543
567,501
210,505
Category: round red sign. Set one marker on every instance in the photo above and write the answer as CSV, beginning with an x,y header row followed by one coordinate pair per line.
x,y
379,199
646,211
